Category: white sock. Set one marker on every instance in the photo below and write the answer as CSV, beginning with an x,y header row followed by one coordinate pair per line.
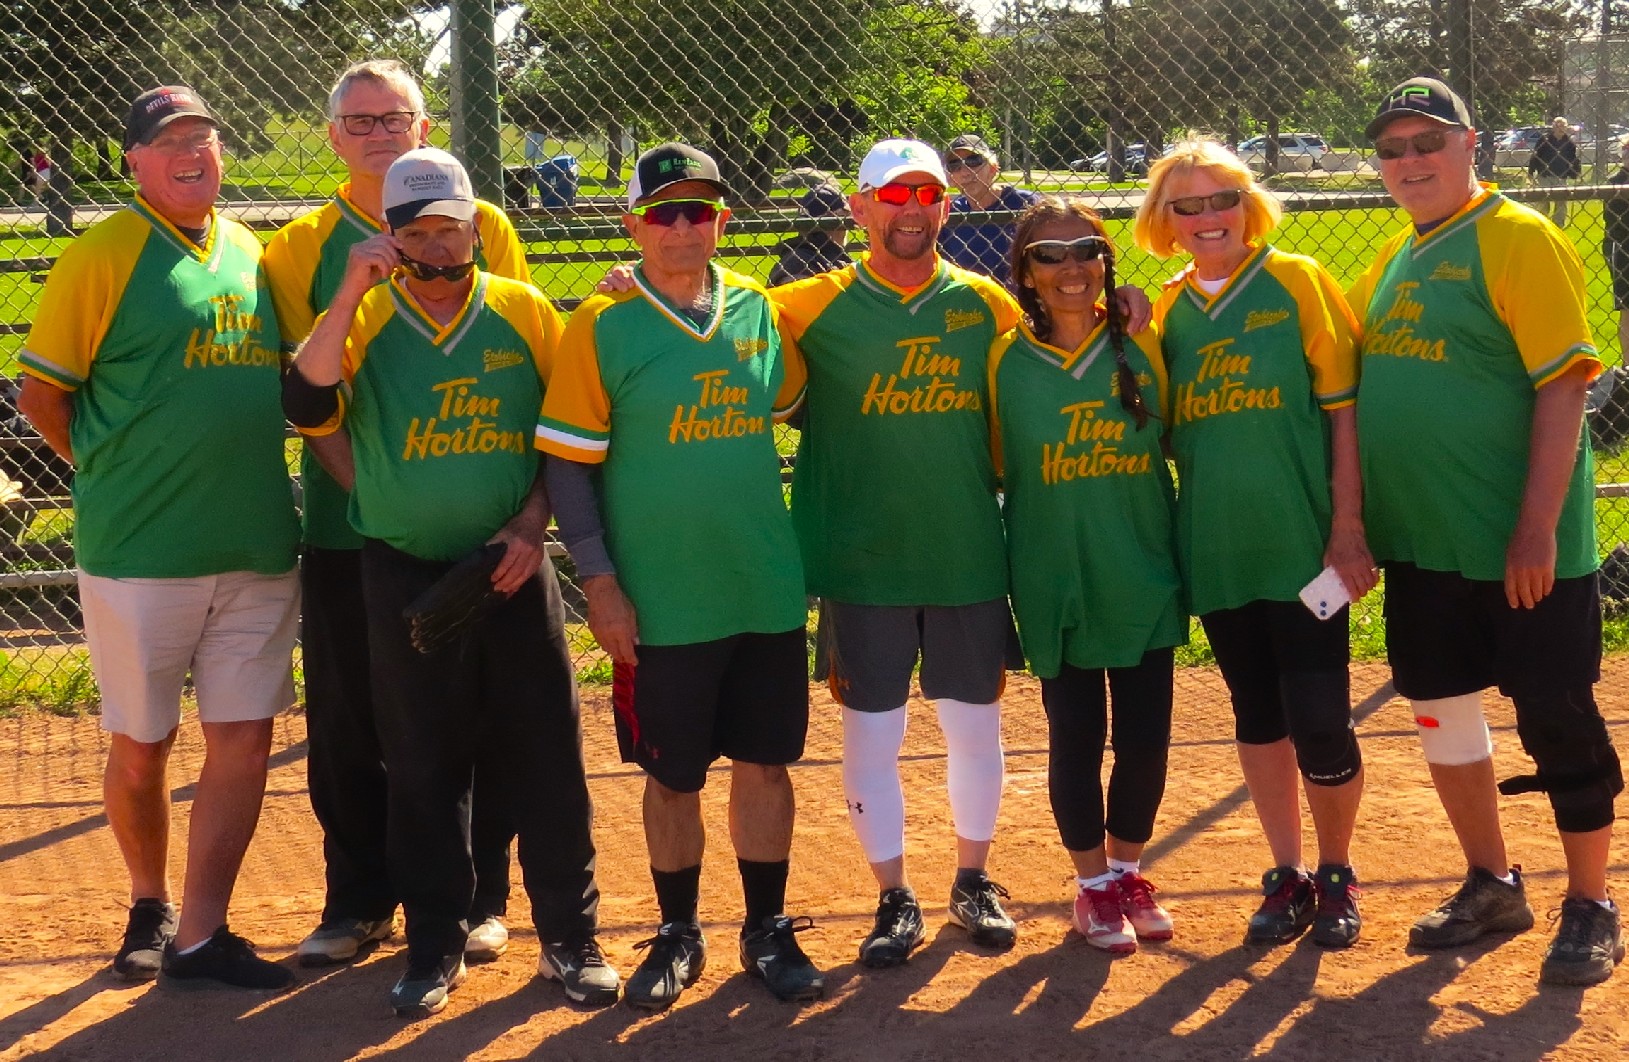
x,y
195,947
1097,882
975,765
1507,877
1608,904
876,801
1121,867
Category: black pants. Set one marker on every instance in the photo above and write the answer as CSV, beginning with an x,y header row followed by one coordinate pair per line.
x,y
1077,718
507,687
344,768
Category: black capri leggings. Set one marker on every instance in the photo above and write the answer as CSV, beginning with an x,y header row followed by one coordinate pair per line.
x,y
1077,724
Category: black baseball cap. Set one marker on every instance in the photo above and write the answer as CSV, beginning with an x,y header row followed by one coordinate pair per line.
x,y
671,163
1425,97
158,107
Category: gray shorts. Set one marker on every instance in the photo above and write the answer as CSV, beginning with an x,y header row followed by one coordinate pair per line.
x,y
866,653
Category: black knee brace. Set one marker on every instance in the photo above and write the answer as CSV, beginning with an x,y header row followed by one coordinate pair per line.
x,y
1578,768
1320,714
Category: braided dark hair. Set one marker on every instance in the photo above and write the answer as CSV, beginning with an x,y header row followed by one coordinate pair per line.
x,y
1054,208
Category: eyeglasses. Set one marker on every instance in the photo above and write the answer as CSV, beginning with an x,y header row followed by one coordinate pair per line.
x,y
1427,143
362,124
668,212
895,194
1056,252
190,142
960,162
1191,205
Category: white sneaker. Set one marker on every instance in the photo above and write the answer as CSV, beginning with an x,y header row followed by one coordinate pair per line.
x,y
487,941
343,940
1099,919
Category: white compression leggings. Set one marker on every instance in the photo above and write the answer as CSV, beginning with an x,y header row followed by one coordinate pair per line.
x,y
871,785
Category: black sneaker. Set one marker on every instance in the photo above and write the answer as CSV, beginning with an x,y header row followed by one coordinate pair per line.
x,y
771,953
1587,947
897,932
1483,904
1337,923
424,988
678,954
225,961
150,927
582,971
1289,907
975,905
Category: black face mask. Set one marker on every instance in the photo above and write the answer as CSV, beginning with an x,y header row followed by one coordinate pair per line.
x,y
426,271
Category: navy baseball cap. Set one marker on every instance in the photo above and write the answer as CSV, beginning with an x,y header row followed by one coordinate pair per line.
x,y
158,107
1425,97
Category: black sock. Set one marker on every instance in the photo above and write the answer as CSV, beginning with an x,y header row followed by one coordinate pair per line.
x,y
764,886
677,892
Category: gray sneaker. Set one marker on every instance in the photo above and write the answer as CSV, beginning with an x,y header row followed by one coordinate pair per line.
x,y
582,971
1483,905
342,940
149,928
423,989
487,940
1587,946
677,956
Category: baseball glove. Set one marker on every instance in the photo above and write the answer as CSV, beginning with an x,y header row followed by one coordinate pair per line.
x,y
453,603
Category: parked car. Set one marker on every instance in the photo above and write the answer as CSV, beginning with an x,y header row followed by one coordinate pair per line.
x,y
1299,152
1515,146
1136,162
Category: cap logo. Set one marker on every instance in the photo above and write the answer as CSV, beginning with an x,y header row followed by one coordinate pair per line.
x,y
421,181
1406,97
169,99
679,163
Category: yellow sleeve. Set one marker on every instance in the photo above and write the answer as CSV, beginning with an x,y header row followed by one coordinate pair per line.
x,y
1162,309
290,262
81,296
998,354
1536,281
802,301
575,422
505,256
1328,328
371,317
1003,307
1361,293
794,374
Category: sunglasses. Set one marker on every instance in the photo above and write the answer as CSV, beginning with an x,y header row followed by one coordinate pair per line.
x,y
668,212
964,162
426,271
1192,205
1427,143
896,194
1056,252
362,124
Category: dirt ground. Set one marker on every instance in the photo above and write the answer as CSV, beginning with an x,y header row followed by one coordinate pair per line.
x,y
1202,996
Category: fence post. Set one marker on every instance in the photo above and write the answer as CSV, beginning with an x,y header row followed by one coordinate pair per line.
x,y
475,95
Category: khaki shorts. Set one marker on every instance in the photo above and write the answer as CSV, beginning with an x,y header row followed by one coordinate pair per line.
x,y
234,632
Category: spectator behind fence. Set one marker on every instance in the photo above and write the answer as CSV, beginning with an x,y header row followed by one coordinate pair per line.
x,y
1263,369
1615,247
152,366
1553,163
975,170
1479,501
818,250
705,666
375,114
444,367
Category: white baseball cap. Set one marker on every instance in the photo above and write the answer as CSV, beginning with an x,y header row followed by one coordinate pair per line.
x,y
427,182
889,160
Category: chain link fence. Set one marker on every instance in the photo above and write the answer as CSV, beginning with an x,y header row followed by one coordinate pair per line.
x,y
551,101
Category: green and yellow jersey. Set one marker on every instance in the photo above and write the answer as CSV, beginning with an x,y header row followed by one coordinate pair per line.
x,y
1461,327
1090,509
681,415
304,263
894,494
171,352
1254,369
441,416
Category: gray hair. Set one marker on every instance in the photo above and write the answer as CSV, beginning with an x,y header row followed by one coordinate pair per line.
x,y
392,72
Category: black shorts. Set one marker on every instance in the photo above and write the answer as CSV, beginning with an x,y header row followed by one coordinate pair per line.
x,y
1257,644
1447,635
745,697
867,652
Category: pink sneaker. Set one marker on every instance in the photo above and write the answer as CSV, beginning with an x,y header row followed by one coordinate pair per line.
x,y
1098,918
1147,917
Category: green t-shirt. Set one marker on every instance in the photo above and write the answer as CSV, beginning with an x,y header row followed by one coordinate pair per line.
x,y
682,416
1462,326
1253,370
1090,510
893,495
171,352
441,417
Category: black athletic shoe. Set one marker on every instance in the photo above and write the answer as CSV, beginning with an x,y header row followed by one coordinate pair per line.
x,y
423,989
225,961
581,969
1587,947
771,953
975,905
151,926
897,932
1290,905
678,954
1483,904
1338,923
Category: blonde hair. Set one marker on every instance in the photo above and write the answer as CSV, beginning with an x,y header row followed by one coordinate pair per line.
x,y
1154,232
391,72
